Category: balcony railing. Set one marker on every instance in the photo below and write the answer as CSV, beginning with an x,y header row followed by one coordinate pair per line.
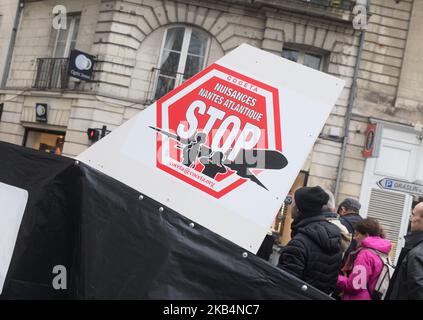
x,y
162,81
52,73
340,4
339,11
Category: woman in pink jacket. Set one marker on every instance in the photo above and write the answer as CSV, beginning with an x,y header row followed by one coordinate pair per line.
x,y
364,266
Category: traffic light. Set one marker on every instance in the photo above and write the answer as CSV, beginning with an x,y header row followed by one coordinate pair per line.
x,y
93,134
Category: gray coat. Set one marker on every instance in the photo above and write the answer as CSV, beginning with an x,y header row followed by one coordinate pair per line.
x,y
407,281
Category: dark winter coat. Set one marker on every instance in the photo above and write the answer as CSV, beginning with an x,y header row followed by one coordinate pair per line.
x,y
350,220
407,281
314,254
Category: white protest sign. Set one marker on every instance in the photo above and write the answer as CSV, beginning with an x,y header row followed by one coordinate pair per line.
x,y
224,148
13,202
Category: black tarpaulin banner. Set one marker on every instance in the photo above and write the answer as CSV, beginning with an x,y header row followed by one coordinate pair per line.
x,y
115,244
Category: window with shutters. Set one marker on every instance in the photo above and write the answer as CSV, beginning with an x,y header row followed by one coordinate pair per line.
x,y
389,209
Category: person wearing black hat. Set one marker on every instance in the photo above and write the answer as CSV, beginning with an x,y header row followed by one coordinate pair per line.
x,y
314,253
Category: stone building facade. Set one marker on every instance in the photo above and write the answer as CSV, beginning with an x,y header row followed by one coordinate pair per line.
x,y
130,40
8,9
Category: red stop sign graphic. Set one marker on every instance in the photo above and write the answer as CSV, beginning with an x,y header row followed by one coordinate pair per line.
x,y
218,130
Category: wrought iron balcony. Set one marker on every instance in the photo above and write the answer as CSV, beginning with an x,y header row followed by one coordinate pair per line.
x,y
52,73
331,10
164,80
338,4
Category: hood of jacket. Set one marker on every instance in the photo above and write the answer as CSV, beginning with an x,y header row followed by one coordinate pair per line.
x,y
323,233
328,214
377,243
350,220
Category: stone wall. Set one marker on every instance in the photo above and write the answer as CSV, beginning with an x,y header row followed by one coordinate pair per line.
x,y
35,33
383,59
7,17
389,48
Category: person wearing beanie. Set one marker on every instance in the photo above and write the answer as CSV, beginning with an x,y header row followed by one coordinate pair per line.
x,y
310,200
314,253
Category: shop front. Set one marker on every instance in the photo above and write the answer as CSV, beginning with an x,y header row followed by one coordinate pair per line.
x,y
44,140
44,122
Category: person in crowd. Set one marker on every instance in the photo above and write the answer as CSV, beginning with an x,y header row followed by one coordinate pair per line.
x,y
348,211
364,265
329,211
407,281
314,253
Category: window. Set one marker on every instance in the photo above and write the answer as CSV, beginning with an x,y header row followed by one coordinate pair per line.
x,y
308,59
52,72
65,39
183,55
44,140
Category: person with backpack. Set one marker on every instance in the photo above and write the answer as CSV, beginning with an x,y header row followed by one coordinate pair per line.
x,y
366,264
407,281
